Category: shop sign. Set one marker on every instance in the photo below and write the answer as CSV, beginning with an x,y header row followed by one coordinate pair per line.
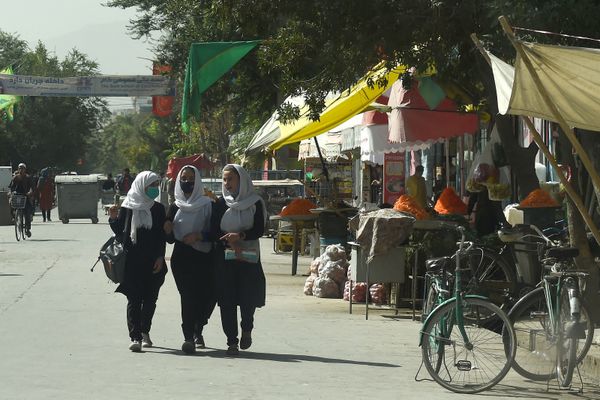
x,y
393,176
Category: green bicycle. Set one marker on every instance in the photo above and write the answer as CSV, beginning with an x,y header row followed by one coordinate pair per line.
x,y
553,326
467,342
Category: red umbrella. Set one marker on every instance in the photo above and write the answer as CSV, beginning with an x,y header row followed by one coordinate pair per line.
x,y
200,161
411,119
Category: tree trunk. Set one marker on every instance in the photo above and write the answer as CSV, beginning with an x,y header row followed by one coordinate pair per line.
x,y
578,236
520,159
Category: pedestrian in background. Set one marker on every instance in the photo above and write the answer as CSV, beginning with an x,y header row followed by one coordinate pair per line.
x,y
239,221
145,266
415,187
192,264
46,193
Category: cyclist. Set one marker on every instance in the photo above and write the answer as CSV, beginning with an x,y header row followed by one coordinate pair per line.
x,y
22,184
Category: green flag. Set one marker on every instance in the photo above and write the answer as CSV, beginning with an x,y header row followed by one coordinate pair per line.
x,y
207,62
7,101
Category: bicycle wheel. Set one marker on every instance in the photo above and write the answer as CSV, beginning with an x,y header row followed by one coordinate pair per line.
x,y
491,276
22,224
536,355
468,367
17,229
568,343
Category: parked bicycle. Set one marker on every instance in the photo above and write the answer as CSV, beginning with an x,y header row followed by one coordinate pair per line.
x,y
17,203
467,341
553,326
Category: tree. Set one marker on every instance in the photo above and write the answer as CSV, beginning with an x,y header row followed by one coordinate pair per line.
x,y
50,131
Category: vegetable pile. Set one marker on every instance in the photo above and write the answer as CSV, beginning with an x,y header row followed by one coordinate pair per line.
x,y
538,198
407,204
298,207
450,203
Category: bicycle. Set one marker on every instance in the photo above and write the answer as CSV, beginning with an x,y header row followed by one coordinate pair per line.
x,y
553,326
464,339
17,203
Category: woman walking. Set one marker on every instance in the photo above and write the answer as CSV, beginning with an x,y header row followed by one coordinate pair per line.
x,y
145,267
46,192
239,220
188,226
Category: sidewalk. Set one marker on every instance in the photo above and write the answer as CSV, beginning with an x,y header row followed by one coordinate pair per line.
x,y
64,337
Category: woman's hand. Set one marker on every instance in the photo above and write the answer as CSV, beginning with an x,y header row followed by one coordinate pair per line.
x,y
192,237
168,227
158,265
231,238
113,212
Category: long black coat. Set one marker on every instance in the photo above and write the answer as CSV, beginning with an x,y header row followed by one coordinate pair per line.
x,y
238,283
141,256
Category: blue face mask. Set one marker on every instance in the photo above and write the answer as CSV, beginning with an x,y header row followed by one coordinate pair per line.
x,y
152,192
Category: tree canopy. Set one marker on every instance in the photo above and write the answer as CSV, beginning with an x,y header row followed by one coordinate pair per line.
x,y
48,131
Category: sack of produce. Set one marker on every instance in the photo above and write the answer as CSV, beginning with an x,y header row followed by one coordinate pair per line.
x,y
377,293
326,288
308,285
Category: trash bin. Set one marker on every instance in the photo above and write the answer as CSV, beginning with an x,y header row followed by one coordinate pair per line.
x,y
77,197
5,212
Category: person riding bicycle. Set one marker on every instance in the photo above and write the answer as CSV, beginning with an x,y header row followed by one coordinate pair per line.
x,y
22,184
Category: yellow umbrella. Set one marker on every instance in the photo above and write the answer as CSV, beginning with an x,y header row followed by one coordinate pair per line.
x,y
339,108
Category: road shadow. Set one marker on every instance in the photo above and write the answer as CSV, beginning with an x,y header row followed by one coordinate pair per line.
x,y
541,390
52,240
277,357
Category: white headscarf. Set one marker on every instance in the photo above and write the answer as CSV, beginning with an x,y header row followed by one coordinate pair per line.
x,y
240,214
138,201
194,212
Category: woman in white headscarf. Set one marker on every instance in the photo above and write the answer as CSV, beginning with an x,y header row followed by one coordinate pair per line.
x,y
188,226
145,267
239,221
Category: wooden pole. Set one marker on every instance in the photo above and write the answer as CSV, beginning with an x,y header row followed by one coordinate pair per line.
x,y
585,159
561,176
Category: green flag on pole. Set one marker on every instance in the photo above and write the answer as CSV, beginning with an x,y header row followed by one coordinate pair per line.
x,y
207,62
7,101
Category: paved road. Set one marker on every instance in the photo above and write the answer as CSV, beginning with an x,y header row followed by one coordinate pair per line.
x,y
63,336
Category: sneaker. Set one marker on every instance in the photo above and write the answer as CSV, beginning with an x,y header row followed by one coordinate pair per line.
x,y
232,350
199,340
188,347
28,233
246,340
146,342
135,346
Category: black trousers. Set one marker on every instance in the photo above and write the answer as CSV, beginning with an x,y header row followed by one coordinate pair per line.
x,y
141,305
194,277
229,321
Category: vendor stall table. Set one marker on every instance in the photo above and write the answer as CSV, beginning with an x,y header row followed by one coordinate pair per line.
x,y
298,223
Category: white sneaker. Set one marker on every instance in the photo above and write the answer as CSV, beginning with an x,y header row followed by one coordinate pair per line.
x,y
135,346
146,342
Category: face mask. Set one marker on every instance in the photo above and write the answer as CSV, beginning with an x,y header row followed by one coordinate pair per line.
x,y
152,192
187,187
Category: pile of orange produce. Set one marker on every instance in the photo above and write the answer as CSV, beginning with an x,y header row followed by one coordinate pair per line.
x,y
407,204
538,198
450,203
298,207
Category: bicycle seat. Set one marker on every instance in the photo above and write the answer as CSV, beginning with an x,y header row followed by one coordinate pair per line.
x,y
562,253
437,264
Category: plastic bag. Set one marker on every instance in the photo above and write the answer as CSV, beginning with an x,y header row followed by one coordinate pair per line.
x,y
377,293
308,285
359,291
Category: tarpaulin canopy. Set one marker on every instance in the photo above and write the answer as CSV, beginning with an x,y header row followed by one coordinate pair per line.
x,y
570,75
419,119
200,161
339,108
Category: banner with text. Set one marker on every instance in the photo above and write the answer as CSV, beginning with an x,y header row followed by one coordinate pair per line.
x,y
87,86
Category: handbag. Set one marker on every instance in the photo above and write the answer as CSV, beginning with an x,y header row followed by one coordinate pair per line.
x,y
113,254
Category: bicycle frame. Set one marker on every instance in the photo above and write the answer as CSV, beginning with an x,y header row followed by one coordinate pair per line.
x,y
458,295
